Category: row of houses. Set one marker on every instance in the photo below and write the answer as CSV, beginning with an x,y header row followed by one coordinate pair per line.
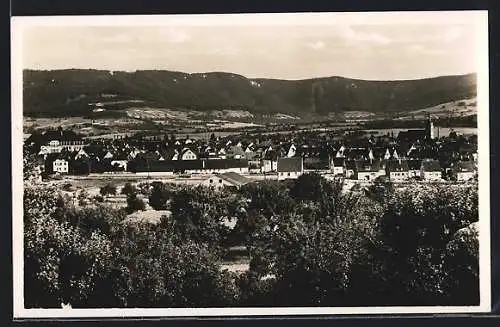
x,y
401,170
284,168
312,148
65,152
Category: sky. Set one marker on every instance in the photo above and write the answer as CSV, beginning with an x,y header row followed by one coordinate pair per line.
x,y
374,49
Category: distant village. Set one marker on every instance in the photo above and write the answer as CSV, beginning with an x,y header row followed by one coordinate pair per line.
x,y
415,154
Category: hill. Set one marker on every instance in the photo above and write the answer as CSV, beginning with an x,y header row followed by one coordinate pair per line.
x,y
75,92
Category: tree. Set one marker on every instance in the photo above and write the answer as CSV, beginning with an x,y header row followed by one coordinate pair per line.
x,y
87,259
312,260
31,167
68,187
381,189
462,264
159,197
61,264
108,189
83,198
418,224
156,272
199,214
81,166
134,203
129,189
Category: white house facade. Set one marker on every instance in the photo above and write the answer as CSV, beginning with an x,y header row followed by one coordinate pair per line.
x,y
60,166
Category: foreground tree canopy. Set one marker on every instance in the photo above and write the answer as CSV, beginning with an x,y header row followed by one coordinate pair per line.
x,y
309,244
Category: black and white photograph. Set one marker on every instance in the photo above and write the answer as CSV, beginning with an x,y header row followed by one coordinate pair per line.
x,y
250,164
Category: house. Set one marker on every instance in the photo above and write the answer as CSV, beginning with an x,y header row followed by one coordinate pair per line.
x,y
268,166
237,152
222,153
414,166
229,179
60,166
108,155
350,169
81,165
291,151
81,154
369,169
412,135
144,167
55,141
340,152
225,165
270,162
254,166
464,171
357,153
338,166
119,164
316,162
431,170
397,170
290,168
250,148
133,153
188,154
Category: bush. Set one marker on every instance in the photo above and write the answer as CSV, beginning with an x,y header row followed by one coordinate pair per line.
x,y
98,198
108,189
160,194
134,203
129,189
68,187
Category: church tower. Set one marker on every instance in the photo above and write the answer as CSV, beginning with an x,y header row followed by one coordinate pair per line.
x,y
429,128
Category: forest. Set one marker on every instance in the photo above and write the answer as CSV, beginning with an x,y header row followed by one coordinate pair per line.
x,y
72,92
310,243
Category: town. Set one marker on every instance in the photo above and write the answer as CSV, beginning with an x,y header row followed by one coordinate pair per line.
x,y
412,155
251,166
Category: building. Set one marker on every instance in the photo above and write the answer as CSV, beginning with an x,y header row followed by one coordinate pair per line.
x,y
229,179
204,166
220,166
60,166
431,170
55,141
236,152
397,170
429,128
368,170
120,164
464,171
350,169
145,167
338,166
412,135
414,168
56,146
188,154
290,168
